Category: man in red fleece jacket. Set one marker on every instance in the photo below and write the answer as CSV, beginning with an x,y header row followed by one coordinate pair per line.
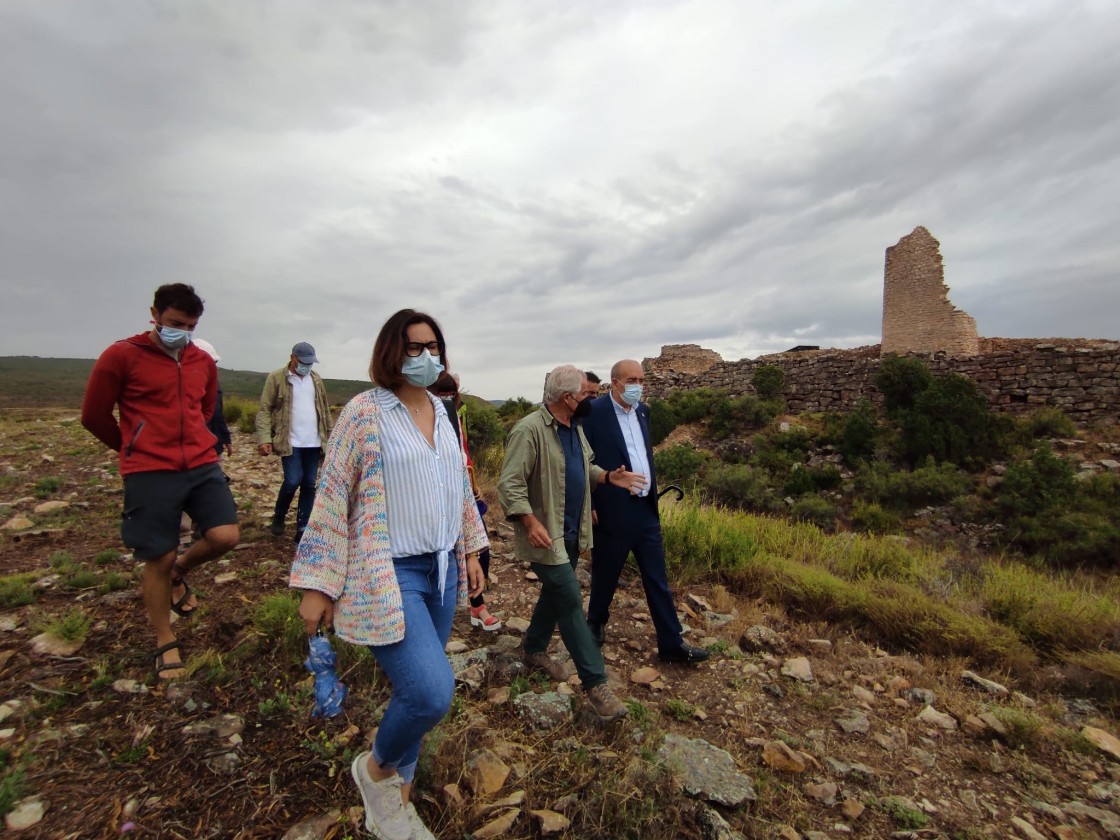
x,y
165,389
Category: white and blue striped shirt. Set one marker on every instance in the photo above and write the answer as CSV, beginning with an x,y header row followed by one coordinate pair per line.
x,y
423,484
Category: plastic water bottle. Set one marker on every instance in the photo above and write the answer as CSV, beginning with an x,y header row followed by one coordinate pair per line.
x,y
321,661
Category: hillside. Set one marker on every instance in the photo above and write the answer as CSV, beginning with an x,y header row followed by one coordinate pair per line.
x,y
802,725
31,382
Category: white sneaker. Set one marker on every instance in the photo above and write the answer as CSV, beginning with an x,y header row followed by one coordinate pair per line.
x,y
419,830
385,813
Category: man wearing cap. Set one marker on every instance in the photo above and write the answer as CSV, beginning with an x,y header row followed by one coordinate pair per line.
x,y
294,422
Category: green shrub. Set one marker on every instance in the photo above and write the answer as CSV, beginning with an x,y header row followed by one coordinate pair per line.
x,y
16,591
1047,512
859,434
61,561
740,486
815,510
247,425
777,462
1047,423
513,410
106,556
662,420
70,626
680,464
232,410
696,404
799,482
768,381
484,427
950,421
276,617
742,414
900,380
826,476
873,518
902,490
48,486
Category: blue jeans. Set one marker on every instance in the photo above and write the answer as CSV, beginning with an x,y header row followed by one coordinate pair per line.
x,y
301,468
417,665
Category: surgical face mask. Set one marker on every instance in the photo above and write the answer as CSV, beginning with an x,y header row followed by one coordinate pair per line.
x,y
302,369
632,394
422,370
172,338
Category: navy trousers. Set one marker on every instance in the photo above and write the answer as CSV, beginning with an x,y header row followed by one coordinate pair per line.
x,y
639,534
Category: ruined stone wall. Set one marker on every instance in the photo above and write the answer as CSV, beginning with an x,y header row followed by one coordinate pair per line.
x,y
1081,377
917,314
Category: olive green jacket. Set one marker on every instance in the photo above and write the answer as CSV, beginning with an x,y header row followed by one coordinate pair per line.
x,y
532,481
274,420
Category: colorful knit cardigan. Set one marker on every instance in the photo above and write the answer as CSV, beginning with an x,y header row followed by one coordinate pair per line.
x,y
344,552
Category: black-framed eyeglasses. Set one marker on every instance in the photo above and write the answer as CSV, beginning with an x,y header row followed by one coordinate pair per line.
x,y
415,348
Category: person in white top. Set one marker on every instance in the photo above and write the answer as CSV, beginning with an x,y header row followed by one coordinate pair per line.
x,y
294,422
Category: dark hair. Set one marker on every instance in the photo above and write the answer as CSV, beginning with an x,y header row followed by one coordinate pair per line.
x,y
592,377
178,296
388,350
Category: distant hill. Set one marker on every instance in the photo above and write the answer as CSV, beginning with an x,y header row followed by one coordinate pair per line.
x,y
31,381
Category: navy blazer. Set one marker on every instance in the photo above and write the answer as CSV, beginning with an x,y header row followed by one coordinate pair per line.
x,y
614,504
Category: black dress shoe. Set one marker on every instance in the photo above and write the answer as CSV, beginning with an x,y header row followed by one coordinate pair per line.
x,y
685,653
598,632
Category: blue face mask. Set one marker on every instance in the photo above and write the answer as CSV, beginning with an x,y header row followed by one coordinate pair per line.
x,y
422,370
174,339
632,394
302,369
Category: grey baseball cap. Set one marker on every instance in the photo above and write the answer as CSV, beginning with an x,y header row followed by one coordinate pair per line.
x,y
305,353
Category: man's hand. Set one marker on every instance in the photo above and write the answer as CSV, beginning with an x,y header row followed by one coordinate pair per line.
x,y
265,449
537,533
475,579
632,481
315,609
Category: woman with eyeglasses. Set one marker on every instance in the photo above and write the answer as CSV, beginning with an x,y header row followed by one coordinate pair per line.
x,y
390,550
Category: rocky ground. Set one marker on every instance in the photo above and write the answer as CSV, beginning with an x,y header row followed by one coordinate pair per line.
x,y
790,730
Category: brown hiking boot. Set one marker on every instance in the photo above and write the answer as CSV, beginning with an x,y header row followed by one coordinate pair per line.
x,y
605,705
543,662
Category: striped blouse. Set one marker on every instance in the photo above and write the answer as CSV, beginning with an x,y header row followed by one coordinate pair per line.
x,y
345,552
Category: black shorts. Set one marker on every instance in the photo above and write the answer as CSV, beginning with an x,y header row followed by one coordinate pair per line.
x,y
154,502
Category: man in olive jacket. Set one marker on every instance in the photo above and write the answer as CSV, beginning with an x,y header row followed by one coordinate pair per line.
x,y
294,422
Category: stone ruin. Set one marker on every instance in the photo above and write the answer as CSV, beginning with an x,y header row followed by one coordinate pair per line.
x,y
917,315
683,358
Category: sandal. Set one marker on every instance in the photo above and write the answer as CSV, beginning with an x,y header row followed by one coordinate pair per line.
x,y
159,666
488,623
179,607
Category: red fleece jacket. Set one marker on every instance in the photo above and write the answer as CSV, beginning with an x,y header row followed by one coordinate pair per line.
x,y
164,405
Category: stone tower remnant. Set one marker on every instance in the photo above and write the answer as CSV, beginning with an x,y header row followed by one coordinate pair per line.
x,y
917,314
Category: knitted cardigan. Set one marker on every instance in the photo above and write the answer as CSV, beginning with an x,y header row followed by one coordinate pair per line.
x,y
345,552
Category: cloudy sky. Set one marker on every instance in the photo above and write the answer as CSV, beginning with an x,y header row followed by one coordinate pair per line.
x,y
556,181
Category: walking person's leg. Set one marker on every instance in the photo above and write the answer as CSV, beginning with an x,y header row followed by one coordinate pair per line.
x,y
608,556
309,466
293,477
423,686
210,504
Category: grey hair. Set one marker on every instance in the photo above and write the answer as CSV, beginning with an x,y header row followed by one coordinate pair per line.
x,y
566,379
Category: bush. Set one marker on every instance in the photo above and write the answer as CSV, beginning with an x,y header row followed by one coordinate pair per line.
x,y
484,427
950,421
1047,512
768,381
695,405
859,434
680,464
815,510
1047,423
662,420
799,482
929,485
48,486
232,410
513,410
740,486
247,425
900,380
873,518
742,414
